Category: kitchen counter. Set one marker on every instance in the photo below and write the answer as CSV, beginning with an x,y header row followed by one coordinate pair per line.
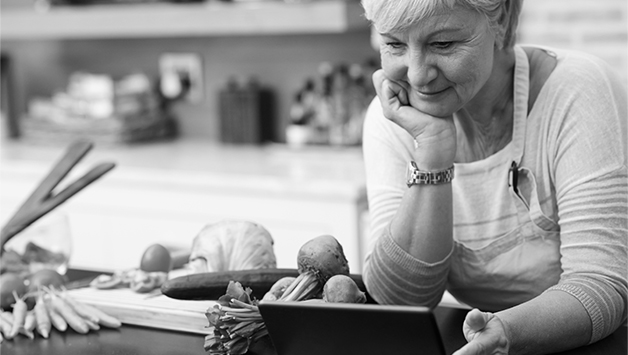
x,y
147,341
311,171
137,340
166,192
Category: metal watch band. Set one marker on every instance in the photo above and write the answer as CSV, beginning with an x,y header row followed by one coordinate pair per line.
x,y
419,177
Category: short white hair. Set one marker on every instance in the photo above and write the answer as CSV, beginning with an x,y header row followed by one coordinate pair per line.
x,y
398,15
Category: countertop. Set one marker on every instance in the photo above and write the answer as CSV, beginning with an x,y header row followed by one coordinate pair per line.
x,y
318,171
147,341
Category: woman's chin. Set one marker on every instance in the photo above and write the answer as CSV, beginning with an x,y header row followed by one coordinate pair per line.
x,y
434,110
440,108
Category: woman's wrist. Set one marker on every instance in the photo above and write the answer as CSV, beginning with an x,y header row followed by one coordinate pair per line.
x,y
434,155
432,159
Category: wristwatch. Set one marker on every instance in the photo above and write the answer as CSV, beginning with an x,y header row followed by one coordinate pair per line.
x,y
420,177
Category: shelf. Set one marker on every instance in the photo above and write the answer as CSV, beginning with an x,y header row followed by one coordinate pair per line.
x,y
182,20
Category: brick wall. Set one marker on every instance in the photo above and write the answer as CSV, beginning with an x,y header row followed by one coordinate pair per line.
x,y
599,27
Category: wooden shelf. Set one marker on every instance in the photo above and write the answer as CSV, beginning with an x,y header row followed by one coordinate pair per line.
x,y
182,20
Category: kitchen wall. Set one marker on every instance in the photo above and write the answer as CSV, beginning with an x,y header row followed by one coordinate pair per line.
x,y
599,27
283,62
280,62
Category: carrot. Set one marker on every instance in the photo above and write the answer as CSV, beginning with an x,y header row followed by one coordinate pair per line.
x,y
7,316
29,324
19,314
79,308
75,321
42,317
92,325
55,318
6,327
103,318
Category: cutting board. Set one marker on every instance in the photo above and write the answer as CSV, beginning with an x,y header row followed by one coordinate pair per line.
x,y
149,310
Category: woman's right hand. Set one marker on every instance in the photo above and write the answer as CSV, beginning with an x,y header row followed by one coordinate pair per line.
x,y
435,136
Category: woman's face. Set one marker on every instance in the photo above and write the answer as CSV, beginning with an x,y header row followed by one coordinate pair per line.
x,y
442,61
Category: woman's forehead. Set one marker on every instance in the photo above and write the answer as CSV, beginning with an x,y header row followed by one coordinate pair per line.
x,y
394,16
446,20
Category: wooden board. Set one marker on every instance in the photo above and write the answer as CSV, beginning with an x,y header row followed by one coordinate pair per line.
x,y
147,309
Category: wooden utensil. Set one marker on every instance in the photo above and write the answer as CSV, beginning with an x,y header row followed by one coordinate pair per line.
x,y
42,200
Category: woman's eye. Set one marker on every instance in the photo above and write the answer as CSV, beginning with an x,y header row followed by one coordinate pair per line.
x,y
442,44
395,45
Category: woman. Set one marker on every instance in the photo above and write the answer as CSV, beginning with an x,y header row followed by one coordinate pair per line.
x,y
497,172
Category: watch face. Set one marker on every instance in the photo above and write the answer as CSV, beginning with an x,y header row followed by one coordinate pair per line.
x,y
411,174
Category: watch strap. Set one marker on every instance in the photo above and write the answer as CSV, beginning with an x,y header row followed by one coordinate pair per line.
x,y
421,177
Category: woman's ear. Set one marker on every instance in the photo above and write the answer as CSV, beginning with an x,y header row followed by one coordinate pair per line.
x,y
502,24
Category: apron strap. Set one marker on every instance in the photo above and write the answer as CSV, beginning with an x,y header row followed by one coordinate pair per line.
x,y
520,114
521,92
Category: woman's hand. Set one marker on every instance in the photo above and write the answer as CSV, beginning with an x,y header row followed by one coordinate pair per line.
x,y
435,136
485,333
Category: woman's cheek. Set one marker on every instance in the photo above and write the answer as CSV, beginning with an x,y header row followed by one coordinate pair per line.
x,y
394,69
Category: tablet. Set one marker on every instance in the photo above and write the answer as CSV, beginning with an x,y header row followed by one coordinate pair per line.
x,y
315,328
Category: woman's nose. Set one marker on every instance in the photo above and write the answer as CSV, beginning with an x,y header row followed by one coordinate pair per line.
x,y
420,71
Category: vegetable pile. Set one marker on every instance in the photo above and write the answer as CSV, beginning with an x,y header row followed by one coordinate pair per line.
x,y
323,275
53,308
227,245
155,265
137,280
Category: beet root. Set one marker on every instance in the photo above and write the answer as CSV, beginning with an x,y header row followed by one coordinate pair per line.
x,y
324,256
318,260
342,289
278,288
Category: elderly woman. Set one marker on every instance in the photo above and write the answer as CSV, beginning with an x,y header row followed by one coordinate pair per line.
x,y
497,172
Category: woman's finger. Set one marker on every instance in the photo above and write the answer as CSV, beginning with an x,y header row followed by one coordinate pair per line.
x,y
476,319
473,348
389,91
378,78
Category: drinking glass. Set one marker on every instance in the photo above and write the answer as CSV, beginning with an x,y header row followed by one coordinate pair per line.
x,y
45,244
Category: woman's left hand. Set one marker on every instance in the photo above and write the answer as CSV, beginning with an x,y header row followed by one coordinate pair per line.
x,y
485,333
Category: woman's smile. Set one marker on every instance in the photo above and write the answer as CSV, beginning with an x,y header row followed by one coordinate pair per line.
x,y
431,94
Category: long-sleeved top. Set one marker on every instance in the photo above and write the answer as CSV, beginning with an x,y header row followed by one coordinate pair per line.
x,y
563,226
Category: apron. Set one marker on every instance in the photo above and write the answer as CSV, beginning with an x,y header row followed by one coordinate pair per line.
x,y
506,250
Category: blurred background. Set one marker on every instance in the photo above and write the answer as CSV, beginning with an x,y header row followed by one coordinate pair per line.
x,y
215,109
284,46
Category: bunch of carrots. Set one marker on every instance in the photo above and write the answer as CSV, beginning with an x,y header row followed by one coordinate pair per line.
x,y
53,308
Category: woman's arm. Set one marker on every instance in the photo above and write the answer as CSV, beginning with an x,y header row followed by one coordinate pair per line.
x,y
585,150
414,225
552,322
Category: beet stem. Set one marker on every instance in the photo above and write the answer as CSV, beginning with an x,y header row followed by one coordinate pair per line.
x,y
304,287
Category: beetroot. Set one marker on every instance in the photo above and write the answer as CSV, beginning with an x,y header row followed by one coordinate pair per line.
x,y
342,289
278,288
318,260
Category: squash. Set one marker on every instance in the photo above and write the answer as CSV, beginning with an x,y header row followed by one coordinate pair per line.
x,y
230,245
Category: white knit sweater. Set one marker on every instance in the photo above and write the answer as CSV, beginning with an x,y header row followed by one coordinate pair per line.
x,y
574,156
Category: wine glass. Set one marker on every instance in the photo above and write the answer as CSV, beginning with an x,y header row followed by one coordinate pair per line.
x,y
45,244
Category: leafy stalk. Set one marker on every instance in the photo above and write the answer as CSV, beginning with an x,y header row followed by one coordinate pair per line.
x,y
236,322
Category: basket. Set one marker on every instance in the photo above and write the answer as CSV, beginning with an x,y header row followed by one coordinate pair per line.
x,y
110,131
